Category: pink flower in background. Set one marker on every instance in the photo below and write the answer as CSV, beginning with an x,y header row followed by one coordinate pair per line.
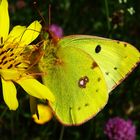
x,y
57,30
119,129
20,4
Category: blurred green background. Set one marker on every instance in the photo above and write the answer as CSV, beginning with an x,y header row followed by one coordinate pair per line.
x,y
117,19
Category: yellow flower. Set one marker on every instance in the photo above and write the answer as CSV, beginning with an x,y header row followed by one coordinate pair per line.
x,y
45,114
15,60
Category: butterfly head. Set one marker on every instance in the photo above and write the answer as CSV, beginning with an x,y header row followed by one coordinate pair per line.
x,y
50,35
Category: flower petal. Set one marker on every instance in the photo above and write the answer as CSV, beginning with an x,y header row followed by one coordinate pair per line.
x,y
45,114
31,33
16,34
4,19
9,74
23,35
9,94
35,88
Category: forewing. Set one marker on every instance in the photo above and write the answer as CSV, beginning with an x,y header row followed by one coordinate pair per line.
x,y
116,59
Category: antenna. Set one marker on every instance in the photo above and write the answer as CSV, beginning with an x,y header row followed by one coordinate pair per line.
x,y
35,3
49,16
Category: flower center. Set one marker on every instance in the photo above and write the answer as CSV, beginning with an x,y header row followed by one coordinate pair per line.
x,y
12,56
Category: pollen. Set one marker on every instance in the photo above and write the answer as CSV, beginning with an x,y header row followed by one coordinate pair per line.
x,y
13,56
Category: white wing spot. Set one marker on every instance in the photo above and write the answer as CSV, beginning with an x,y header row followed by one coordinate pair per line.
x,y
83,81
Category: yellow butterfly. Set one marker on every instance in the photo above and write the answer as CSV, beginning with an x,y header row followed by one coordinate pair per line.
x,y
81,71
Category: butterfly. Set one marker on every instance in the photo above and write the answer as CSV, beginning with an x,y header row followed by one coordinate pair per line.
x,y
81,71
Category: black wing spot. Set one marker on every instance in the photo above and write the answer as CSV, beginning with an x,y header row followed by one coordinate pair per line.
x,y
97,90
99,79
115,68
83,82
118,42
98,49
107,73
86,104
79,108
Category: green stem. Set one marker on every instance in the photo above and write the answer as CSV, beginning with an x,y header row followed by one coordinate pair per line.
x,y
107,15
92,129
12,125
3,113
62,132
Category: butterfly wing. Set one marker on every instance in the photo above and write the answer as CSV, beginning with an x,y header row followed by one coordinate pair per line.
x,y
116,59
78,85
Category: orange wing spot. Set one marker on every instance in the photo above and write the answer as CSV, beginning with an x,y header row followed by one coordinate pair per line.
x,y
94,65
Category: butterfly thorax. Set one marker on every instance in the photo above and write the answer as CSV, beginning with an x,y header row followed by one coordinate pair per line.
x,y
50,57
